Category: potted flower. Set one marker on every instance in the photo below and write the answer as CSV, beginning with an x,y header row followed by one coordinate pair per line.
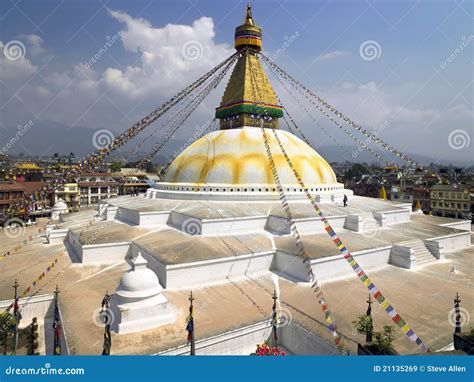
x,y
264,349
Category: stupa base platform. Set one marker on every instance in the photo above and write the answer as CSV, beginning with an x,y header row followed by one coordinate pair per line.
x,y
189,243
140,316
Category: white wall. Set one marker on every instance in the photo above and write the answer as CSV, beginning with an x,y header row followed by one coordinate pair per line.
x,y
243,341
335,266
105,253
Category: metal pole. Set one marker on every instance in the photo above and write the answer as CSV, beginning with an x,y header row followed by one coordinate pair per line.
x,y
191,318
17,315
56,324
274,318
368,337
458,314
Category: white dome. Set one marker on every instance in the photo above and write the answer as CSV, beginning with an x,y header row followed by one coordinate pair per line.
x,y
238,157
139,282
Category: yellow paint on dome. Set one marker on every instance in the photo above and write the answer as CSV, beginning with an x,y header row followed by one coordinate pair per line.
x,y
238,157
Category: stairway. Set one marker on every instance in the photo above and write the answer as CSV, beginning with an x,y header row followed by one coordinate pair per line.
x,y
364,223
102,211
369,224
422,254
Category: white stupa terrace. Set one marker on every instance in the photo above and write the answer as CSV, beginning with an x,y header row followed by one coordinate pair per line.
x,y
216,225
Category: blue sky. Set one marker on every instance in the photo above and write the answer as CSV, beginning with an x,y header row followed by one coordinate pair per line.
x,y
407,84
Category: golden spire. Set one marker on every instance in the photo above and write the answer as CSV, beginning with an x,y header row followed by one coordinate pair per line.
x,y
248,20
249,99
248,35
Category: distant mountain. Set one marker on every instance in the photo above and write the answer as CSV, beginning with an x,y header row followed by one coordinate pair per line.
x,y
342,153
46,138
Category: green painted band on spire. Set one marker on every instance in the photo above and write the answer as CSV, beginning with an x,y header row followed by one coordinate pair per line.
x,y
273,111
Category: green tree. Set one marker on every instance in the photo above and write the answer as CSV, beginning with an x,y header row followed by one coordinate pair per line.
x,y
7,325
115,166
383,340
363,325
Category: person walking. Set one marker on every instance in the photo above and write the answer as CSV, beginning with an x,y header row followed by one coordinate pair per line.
x,y
344,200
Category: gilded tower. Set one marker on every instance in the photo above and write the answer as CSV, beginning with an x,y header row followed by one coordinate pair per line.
x,y
249,99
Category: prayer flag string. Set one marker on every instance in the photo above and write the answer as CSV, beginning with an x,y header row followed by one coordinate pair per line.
x,y
383,302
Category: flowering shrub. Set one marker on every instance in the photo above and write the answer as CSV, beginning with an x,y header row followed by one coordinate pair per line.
x,y
264,349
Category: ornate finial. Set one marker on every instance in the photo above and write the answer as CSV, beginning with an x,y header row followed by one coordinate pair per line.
x,y
191,298
248,16
275,296
56,295
457,300
106,300
248,35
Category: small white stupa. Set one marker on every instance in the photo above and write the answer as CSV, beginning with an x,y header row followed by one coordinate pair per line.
x,y
59,208
138,303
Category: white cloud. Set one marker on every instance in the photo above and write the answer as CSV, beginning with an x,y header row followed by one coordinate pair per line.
x,y
84,96
172,56
13,71
169,57
34,44
333,55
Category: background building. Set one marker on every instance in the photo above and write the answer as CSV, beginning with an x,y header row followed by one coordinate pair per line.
x,y
69,193
451,200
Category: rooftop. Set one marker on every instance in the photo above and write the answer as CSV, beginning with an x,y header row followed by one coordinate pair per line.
x,y
219,308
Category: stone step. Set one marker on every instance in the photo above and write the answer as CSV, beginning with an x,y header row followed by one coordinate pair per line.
x,y
425,261
410,243
421,253
425,257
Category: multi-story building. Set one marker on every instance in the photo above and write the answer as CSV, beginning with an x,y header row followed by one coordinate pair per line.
x,y
28,171
94,187
398,195
69,193
92,192
11,192
64,159
451,200
132,184
422,194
